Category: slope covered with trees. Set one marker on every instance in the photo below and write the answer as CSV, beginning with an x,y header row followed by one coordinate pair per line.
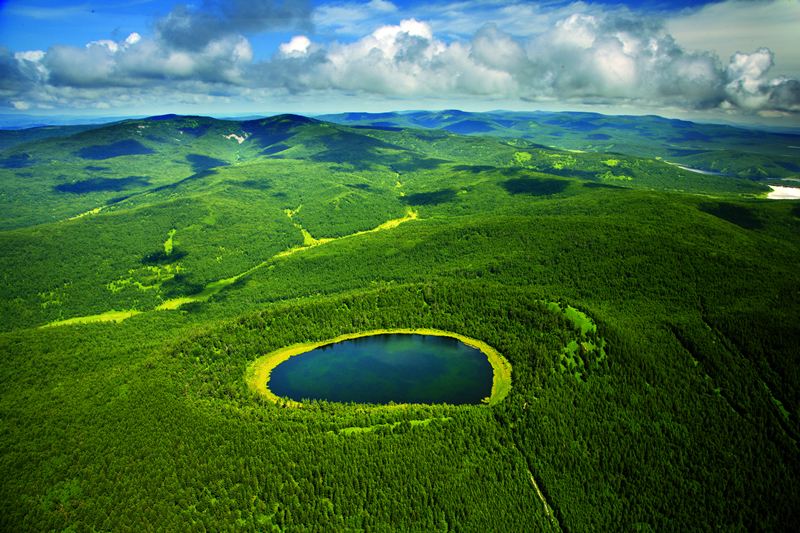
x,y
224,240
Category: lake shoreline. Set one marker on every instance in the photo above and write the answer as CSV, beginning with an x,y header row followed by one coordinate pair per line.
x,y
258,372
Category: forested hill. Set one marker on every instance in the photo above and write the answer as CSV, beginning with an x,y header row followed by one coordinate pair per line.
x,y
722,149
649,314
50,174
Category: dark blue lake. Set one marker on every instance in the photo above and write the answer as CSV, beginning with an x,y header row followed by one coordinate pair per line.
x,y
401,368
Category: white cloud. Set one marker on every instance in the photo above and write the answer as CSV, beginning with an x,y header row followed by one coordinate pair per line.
x,y
574,55
49,13
297,46
577,30
739,25
497,49
351,18
407,60
746,71
460,19
30,55
382,6
617,68
111,46
749,88
92,65
135,61
132,39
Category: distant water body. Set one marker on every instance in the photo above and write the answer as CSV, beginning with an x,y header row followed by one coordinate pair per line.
x,y
784,193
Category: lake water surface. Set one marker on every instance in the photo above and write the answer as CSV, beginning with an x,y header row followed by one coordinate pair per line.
x,y
401,368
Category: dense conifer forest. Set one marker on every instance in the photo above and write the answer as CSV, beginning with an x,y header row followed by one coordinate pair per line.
x,y
649,313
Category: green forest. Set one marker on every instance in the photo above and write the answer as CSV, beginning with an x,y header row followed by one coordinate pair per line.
x,y
649,313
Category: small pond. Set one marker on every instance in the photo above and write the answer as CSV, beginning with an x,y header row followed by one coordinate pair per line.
x,y
401,368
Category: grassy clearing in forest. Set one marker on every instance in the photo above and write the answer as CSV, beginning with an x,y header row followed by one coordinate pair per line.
x,y
168,245
308,240
215,287
580,320
108,316
582,353
210,290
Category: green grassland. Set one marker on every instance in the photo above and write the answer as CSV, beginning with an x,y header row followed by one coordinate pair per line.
x,y
649,314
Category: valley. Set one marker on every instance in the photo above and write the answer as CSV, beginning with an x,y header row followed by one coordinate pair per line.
x,y
646,312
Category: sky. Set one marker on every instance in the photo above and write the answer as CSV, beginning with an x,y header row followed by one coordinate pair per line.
x,y
731,61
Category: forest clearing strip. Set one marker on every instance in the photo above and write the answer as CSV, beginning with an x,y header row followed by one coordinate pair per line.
x,y
548,511
701,367
108,316
258,372
217,286
777,409
308,242
90,212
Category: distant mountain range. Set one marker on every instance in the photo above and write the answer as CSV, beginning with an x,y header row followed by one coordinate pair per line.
x,y
714,148
710,147
111,163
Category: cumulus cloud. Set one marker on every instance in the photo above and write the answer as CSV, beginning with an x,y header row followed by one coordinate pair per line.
x,y
194,51
585,54
746,85
135,61
620,57
732,26
11,79
597,57
297,46
132,39
194,28
20,72
749,88
407,60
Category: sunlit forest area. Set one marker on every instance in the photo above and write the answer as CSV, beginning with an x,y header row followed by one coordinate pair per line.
x,y
648,311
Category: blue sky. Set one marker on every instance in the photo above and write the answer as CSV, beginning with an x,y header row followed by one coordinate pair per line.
x,y
732,60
